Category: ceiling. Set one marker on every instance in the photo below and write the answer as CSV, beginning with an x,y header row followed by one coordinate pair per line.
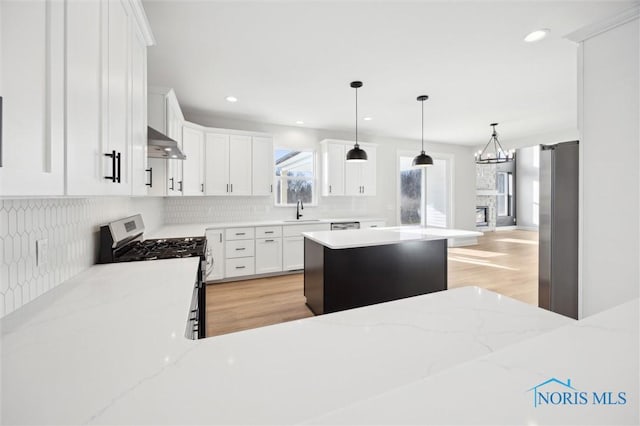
x,y
293,60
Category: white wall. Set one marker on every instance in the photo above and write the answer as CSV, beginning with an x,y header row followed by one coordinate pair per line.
x,y
610,154
528,187
384,204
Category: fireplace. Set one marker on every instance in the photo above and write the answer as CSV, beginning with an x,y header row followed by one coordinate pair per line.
x,y
482,215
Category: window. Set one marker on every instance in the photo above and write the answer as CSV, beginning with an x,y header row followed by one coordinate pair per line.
x,y
424,193
505,193
295,176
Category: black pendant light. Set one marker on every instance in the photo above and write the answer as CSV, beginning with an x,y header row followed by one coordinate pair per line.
x,y
493,153
422,160
356,154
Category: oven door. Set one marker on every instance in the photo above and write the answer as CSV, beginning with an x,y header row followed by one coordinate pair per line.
x,y
193,321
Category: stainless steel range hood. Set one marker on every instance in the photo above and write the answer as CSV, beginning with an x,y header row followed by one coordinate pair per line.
x,y
162,146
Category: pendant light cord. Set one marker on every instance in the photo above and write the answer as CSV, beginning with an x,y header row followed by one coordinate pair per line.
x,y
422,134
357,118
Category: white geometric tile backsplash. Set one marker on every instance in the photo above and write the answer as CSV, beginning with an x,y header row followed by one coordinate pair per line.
x,y
239,209
71,227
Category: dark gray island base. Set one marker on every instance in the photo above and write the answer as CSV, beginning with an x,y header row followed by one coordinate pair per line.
x,y
339,279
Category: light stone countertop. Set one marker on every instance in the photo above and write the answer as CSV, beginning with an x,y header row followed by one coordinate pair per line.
x,y
384,236
198,229
107,347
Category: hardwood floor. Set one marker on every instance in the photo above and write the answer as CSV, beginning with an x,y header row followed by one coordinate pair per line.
x,y
505,262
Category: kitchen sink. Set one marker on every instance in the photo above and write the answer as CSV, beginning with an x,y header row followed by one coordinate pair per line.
x,y
302,220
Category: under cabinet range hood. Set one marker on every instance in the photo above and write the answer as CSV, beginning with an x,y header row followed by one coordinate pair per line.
x,y
162,146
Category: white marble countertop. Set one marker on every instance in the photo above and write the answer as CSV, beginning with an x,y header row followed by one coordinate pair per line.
x,y
383,236
198,229
598,354
107,347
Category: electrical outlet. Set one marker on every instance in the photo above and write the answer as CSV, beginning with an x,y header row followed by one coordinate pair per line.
x,y
42,249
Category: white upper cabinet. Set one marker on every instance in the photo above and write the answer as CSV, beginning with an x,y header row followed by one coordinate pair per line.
x,y
340,177
333,168
106,99
262,159
140,172
193,166
228,164
165,116
116,113
360,178
85,143
240,165
32,90
216,164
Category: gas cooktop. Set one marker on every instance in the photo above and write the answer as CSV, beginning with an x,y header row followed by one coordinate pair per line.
x,y
168,248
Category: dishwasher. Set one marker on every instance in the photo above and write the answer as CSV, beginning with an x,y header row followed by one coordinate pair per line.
x,y
342,226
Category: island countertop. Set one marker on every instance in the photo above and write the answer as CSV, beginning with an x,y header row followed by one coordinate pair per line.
x,y
383,236
108,347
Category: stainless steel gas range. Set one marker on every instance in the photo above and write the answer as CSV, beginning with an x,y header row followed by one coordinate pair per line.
x,y
123,241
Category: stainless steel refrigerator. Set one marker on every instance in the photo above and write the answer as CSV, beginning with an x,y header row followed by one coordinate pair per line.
x,y
558,246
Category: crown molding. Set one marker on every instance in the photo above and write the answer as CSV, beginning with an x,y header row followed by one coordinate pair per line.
x,y
141,20
599,27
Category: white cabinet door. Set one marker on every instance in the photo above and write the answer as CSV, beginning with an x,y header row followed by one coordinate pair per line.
x,y
216,164
193,166
239,165
215,254
140,172
372,224
369,172
292,253
333,169
85,145
116,113
32,87
174,131
268,255
353,178
158,177
360,178
263,161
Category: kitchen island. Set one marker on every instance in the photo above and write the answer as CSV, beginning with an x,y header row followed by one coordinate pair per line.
x,y
108,347
355,268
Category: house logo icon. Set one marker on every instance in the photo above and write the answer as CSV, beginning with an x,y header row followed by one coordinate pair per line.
x,y
544,397
556,392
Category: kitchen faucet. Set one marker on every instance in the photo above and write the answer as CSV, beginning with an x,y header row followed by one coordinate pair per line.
x,y
299,206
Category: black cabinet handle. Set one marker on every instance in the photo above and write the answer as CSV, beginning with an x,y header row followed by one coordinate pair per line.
x,y
180,186
150,170
240,249
114,160
271,188
227,187
240,233
240,267
268,232
329,189
171,187
118,158
202,187
269,241
231,187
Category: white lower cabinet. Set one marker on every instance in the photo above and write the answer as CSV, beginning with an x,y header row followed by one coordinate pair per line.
x,y
292,253
268,255
239,267
215,254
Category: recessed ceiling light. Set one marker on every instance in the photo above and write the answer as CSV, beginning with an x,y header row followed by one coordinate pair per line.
x,y
537,35
231,99
168,149
299,122
368,118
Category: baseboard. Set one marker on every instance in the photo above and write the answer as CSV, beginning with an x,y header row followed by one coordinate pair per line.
x,y
461,242
528,228
506,228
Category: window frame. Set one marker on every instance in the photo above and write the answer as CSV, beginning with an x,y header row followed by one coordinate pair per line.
x,y
314,177
450,158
